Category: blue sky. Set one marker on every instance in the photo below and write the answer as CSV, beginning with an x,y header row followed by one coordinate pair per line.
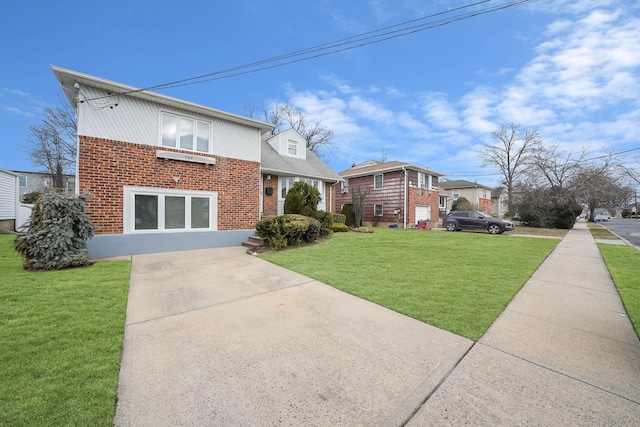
x,y
569,68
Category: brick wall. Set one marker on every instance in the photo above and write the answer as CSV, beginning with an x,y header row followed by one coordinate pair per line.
x,y
105,166
270,203
420,196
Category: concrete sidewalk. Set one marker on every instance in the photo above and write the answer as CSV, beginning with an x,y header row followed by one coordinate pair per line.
x,y
562,353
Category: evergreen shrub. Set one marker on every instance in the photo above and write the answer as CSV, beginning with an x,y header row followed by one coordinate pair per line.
x,y
56,233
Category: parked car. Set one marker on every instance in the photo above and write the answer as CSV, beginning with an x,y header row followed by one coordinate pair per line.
x,y
599,218
473,220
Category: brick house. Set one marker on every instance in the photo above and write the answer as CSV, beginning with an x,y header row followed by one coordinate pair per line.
x,y
399,193
164,174
479,195
285,160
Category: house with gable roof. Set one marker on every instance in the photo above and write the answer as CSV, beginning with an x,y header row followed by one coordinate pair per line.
x,y
168,175
399,193
286,159
478,195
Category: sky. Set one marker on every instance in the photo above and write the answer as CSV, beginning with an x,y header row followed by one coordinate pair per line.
x,y
432,98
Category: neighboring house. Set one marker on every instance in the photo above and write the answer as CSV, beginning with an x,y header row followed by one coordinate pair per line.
x,y
399,193
286,159
30,182
164,174
477,194
8,201
499,202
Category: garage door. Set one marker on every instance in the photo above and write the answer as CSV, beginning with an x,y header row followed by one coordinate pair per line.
x,y
423,213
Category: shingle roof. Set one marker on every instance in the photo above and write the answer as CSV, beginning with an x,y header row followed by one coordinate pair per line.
x,y
312,167
384,167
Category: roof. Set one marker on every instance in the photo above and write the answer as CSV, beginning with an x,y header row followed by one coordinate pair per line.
x,y
8,172
461,183
313,167
378,167
68,79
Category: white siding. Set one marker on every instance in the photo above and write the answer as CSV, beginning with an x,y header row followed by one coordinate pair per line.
x,y
8,195
138,121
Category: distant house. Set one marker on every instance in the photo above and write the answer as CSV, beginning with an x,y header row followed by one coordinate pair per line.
x,y
30,182
477,194
8,201
399,193
286,159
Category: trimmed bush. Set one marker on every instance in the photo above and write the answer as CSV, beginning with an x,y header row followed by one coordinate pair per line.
x,y
347,211
57,233
339,219
338,227
302,199
288,230
325,218
461,204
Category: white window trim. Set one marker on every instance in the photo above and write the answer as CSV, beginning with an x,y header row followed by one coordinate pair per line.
x,y
292,144
381,175
381,209
26,181
195,132
128,214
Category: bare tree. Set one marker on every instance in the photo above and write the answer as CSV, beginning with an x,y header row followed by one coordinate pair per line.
x,y
285,116
52,143
512,154
359,195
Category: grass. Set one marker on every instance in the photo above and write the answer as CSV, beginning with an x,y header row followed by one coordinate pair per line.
x,y
599,232
61,340
536,231
623,263
460,282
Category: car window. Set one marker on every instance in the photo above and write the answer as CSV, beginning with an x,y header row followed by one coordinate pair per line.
x,y
460,214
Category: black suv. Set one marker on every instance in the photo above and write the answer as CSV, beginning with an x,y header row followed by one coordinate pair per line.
x,y
473,220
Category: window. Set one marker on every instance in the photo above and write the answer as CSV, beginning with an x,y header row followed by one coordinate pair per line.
x,y
22,181
287,183
377,210
442,202
185,133
425,181
344,186
377,182
456,193
292,148
484,193
154,209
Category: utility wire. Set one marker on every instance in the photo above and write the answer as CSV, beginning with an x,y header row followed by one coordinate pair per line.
x,y
341,45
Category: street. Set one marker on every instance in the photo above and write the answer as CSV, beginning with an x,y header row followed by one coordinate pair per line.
x,y
628,229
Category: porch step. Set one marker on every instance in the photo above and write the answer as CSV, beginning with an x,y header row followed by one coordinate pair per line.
x,y
254,243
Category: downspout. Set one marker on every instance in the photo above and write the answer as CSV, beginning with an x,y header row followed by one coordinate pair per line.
x,y
78,103
406,201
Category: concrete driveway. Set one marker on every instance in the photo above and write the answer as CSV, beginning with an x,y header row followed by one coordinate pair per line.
x,y
217,337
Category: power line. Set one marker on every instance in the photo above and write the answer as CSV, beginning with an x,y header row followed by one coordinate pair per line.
x,y
341,45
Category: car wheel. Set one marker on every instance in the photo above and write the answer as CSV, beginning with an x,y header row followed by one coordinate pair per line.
x,y
450,226
494,229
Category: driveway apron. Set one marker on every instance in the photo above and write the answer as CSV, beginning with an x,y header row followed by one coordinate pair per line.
x,y
218,337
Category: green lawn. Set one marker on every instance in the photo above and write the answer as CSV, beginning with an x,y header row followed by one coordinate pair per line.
x,y
624,265
60,342
460,282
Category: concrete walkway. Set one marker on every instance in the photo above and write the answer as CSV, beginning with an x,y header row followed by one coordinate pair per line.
x,y
216,337
562,353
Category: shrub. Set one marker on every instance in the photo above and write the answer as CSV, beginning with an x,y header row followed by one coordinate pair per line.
x,y
325,218
288,230
339,219
461,204
57,233
626,213
30,198
339,227
302,199
347,211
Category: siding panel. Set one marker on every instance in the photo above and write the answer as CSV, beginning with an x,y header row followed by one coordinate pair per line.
x,y
8,195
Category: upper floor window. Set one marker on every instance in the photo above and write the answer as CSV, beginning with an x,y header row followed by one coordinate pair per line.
x,y
344,186
484,193
292,148
185,133
22,181
455,193
424,181
377,182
